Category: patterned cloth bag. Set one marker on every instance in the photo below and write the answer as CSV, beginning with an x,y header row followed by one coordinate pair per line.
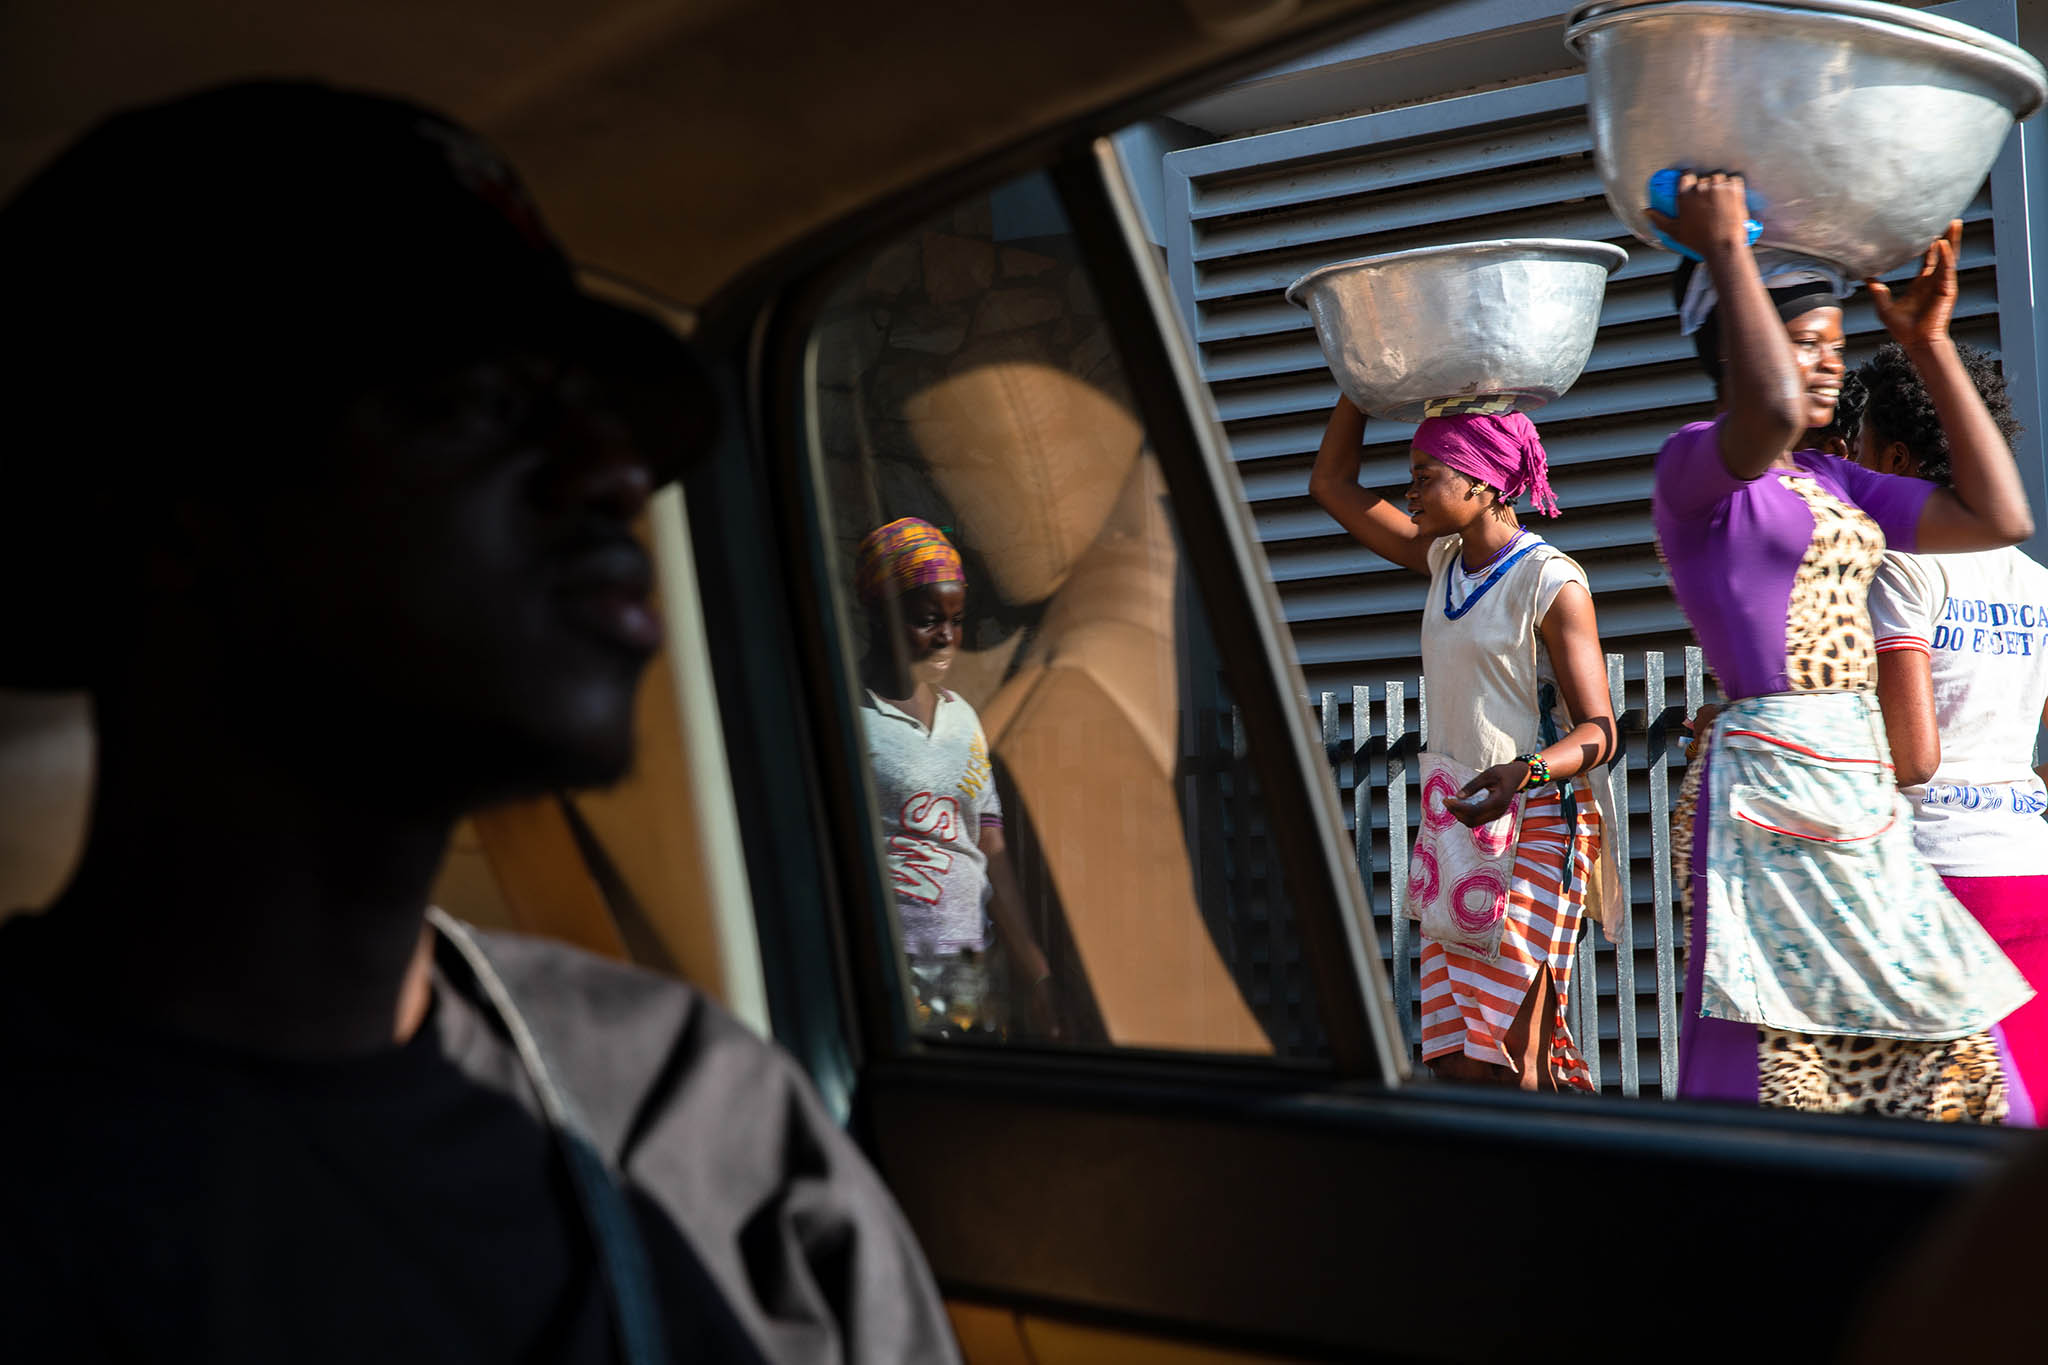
x,y
1458,875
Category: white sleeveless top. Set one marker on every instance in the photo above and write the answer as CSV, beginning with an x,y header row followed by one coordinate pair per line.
x,y
1486,664
1484,661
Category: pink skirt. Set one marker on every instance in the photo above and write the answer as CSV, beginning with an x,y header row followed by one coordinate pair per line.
x,y
2014,911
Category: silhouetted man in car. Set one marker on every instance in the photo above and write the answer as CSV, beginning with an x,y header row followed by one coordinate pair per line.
x,y
319,477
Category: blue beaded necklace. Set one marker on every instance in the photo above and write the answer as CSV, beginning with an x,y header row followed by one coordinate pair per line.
x,y
1472,598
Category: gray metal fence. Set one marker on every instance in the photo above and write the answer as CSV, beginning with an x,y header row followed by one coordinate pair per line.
x,y
1372,738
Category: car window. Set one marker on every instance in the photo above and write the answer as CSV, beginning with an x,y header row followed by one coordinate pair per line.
x,y
1071,840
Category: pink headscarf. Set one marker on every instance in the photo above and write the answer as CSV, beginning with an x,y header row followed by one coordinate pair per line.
x,y
1502,451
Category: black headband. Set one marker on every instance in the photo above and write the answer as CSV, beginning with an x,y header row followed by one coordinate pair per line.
x,y
1791,301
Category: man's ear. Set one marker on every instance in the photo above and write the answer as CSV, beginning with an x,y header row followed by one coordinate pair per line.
x,y
1896,459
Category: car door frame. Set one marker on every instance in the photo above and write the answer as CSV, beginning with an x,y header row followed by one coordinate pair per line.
x,y
1284,1208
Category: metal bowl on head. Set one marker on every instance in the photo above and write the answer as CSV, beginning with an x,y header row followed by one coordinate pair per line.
x,y
1859,128
1513,318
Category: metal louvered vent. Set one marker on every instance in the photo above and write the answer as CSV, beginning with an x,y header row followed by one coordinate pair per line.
x,y
1246,217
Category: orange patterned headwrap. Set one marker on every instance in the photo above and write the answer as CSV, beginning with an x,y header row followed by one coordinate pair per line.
x,y
907,553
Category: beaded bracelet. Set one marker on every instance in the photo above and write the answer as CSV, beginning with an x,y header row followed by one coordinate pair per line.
x,y
1539,771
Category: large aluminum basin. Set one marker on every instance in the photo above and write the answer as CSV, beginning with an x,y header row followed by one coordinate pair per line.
x,y
1861,128
1515,318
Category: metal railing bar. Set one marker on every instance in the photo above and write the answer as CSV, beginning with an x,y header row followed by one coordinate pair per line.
x,y
1397,858
1655,744
1624,961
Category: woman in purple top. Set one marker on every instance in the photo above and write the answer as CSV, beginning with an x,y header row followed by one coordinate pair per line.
x,y
1829,969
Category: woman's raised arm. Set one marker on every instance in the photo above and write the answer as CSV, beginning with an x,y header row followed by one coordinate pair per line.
x,y
1760,384
1372,521
1987,507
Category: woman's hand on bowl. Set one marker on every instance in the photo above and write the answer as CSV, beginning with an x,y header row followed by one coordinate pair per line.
x,y
1713,214
1919,315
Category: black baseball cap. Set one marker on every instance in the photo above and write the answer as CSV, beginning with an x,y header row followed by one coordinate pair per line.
x,y
198,283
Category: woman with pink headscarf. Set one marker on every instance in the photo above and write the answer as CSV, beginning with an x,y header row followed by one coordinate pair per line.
x,y
1511,856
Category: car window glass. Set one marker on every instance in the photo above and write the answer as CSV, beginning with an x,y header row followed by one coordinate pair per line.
x,y
1072,843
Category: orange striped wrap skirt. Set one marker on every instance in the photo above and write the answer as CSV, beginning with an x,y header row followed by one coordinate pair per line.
x,y
1468,1003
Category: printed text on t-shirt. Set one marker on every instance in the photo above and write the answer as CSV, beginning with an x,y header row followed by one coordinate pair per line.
x,y
916,866
1993,796
1973,626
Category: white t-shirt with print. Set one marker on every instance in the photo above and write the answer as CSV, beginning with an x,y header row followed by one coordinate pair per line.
x,y
1982,621
937,792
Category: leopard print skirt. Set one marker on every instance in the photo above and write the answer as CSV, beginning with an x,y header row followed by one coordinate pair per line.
x,y
1958,1081
1683,812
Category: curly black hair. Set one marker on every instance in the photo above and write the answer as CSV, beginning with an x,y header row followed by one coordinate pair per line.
x,y
1848,416
1897,408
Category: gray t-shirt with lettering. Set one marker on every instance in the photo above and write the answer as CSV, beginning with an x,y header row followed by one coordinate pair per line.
x,y
937,793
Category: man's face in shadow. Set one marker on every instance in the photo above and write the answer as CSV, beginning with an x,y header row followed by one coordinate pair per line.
x,y
452,598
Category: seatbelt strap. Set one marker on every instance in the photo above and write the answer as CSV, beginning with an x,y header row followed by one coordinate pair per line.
x,y
620,1254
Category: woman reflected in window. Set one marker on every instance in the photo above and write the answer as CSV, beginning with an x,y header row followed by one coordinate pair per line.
x,y
942,822
1829,969
1511,856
